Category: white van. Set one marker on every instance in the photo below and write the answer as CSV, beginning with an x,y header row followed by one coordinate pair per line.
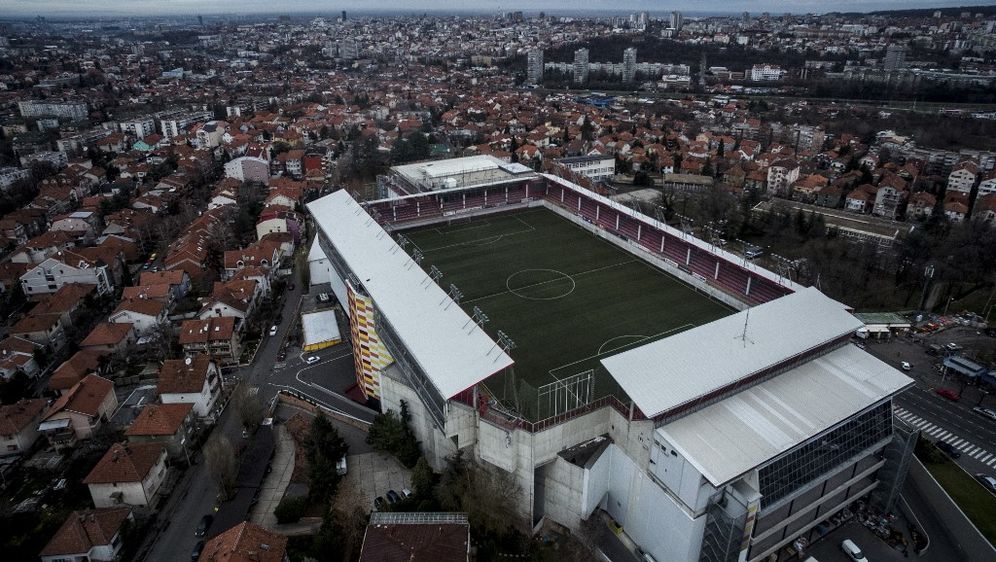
x,y
853,551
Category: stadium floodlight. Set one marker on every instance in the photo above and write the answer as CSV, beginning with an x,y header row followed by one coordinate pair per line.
x,y
417,256
403,241
478,318
435,274
454,295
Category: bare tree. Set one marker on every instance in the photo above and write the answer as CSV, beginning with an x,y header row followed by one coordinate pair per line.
x,y
250,408
220,458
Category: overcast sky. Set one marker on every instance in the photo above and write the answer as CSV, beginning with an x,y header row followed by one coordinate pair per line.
x,y
14,8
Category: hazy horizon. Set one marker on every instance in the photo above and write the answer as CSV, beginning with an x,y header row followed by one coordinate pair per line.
x,y
121,8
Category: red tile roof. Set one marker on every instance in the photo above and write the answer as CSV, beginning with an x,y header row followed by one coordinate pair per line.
x,y
178,376
126,463
245,542
15,417
83,530
159,419
85,397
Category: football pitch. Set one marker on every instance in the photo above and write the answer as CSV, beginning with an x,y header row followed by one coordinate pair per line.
x,y
565,298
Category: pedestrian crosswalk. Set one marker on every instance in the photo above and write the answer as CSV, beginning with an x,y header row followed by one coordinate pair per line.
x,y
940,434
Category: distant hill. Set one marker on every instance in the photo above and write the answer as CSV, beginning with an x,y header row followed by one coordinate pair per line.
x,y
927,12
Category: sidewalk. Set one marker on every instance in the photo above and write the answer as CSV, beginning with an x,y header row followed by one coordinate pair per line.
x,y
275,483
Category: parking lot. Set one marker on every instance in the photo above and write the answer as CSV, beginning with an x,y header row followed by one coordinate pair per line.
x,y
370,475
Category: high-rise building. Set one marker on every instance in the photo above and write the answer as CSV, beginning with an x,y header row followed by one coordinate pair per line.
x,y
895,57
676,21
642,20
344,15
349,49
581,66
629,64
534,66
745,18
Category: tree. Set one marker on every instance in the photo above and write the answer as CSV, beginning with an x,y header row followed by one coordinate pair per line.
x,y
393,434
15,388
489,497
249,407
220,458
290,509
422,478
323,448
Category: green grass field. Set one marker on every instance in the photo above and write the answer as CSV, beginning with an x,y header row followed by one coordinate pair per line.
x,y
565,297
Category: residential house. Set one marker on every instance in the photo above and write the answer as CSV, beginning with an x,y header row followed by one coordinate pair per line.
x,y
987,184
79,412
146,315
246,542
65,267
889,201
195,380
178,281
19,425
110,337
782,174
829,196
985,209
43,329
860,200
168,424
128,474
962,177
956,211
92,535
18,355
235,298
921,205
262,254
72,370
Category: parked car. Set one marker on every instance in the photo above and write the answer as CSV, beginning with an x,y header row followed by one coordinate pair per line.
x,y
949,449
379,503
204,525
281,356
953,346
393,497
987,480
340,466
195,554
406,493
948,393
987,412
312,360
906,366
752,253
852,551
273,330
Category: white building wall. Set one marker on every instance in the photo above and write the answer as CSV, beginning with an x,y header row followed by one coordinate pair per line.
x,y
202,400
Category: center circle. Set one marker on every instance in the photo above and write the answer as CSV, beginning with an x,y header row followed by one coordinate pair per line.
x,y
540,284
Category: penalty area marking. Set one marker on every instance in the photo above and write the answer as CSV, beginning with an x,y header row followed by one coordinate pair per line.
x,y
561,277
639,337
600,353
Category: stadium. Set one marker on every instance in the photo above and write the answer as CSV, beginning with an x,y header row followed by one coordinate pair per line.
x,y
714,409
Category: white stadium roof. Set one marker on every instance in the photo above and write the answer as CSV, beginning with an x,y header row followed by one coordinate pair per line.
x,y
669,372
744,431
442,339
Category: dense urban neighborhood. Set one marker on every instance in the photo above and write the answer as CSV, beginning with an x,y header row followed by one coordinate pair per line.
x,y
652,286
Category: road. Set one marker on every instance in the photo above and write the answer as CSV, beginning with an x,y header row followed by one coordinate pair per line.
x,y
939,418
195,494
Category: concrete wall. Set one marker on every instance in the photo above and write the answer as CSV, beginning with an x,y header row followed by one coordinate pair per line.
x,y
965,536
652,518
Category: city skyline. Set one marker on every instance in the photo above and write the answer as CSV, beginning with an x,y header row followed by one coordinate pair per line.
x,y
116,8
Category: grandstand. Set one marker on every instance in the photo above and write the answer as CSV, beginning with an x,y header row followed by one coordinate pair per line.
x,y
607,361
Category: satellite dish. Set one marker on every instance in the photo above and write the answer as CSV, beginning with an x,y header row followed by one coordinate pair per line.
x,y
188,361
